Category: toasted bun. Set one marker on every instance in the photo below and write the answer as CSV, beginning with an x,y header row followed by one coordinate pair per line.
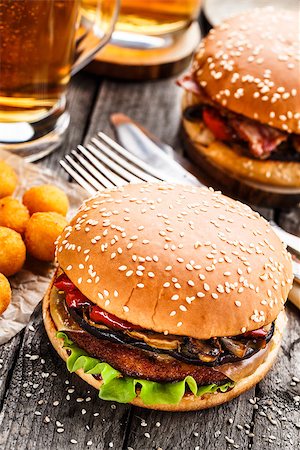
x,y
177,259
250,64
233,161
189,402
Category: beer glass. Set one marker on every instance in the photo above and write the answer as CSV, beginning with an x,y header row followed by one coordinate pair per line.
x,y
149,23
42,43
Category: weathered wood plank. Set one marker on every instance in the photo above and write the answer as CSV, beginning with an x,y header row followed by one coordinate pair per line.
x,y
187,431
8,353
154,104
81,96
39,404
277,419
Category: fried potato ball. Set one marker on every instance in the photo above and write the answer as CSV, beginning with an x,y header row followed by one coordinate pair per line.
x,y
46,198
12,252
42,230
5,293
13,214
8,179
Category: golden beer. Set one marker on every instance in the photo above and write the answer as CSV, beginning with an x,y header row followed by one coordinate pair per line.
x,y
37,40
150,17
39,51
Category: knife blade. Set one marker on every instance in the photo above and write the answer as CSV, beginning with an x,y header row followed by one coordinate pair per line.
x,y
144,145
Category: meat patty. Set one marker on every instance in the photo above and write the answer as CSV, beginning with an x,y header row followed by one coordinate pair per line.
x,y
142,364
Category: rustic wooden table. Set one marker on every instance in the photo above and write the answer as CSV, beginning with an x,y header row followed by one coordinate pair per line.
x,y
44,407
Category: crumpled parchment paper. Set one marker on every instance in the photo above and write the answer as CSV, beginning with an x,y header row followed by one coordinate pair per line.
x,y
30,284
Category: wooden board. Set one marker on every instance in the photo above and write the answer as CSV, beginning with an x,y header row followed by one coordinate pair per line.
x,y
150,64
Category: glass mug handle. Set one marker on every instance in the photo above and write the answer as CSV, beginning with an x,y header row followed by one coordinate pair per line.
x,y
89,43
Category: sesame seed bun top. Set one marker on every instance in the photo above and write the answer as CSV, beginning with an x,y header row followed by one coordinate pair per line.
x,y
250,64
177,259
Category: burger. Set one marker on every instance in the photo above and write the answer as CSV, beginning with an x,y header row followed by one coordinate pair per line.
x,y
168,297
241,106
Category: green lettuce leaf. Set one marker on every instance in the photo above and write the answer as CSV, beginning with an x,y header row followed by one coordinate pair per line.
x,y
121,389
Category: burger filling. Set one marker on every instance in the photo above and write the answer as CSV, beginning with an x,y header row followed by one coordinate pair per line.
x,y
149,357
258,140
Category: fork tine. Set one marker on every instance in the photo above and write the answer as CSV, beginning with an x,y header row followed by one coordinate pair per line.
x,y
115,167
93,171
109,174
77,177
141,175
123,152
84,173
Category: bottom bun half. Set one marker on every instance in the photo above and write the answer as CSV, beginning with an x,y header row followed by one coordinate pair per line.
x,y
283,176
189,402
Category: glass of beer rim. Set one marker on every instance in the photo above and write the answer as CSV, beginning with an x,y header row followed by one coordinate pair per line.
x,y
152,24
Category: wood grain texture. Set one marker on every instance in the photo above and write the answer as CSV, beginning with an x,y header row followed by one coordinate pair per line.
x,y
154,104
81,96
8,355
277,421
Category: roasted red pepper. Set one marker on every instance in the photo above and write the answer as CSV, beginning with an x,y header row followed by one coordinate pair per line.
x,y
98,315
75,299
217,125
63,283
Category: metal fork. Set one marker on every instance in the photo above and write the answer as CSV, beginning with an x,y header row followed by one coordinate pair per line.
x,y
103,163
